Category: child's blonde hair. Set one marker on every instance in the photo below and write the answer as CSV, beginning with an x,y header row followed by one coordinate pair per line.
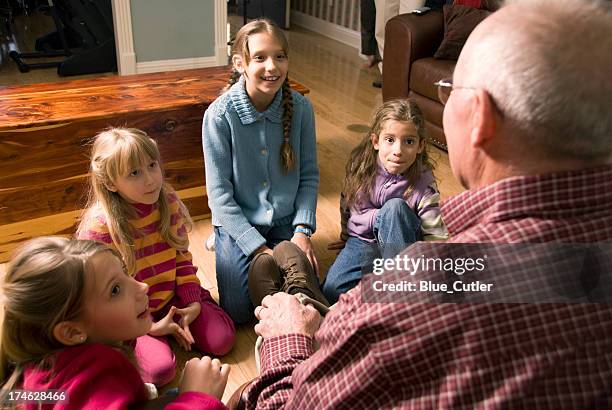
x,y
361,168
240,47
44,285
115,153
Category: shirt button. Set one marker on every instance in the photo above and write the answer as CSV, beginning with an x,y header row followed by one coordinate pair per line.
x,y
265,183
264,152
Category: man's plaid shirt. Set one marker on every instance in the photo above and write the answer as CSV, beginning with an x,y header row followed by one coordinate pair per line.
x,y
464,356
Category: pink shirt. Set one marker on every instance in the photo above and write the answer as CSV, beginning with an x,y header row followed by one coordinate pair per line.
x,y
96,376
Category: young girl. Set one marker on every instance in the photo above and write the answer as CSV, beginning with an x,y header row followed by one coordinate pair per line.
x,y
68,307
390,198
261,164
134,211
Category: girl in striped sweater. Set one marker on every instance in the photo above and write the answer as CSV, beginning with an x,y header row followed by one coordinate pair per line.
x,y
133,210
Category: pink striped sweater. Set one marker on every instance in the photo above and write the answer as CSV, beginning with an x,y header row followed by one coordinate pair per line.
x,y
166,270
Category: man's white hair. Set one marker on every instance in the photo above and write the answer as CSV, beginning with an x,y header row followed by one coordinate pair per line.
x,y
549,71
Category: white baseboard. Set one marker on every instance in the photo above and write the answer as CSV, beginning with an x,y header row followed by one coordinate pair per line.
x,y
342,34
172,65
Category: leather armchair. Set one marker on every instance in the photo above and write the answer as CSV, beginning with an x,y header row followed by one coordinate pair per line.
x,y
410,69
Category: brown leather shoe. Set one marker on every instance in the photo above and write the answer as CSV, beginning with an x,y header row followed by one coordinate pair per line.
x,y
297,271
238,399
264,278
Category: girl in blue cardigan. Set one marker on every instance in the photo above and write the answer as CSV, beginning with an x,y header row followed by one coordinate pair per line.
x,y
261,163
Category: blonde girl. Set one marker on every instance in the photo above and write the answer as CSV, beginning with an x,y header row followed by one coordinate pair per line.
x,y
390,198
69,306
261,165
136,212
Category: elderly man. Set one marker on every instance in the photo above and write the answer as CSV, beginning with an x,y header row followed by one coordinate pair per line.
x,y
529,125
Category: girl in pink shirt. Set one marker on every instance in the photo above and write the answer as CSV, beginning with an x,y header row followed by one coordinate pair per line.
x,y
69,307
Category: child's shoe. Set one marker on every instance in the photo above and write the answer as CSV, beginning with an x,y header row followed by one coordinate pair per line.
x,y
298,272
264,278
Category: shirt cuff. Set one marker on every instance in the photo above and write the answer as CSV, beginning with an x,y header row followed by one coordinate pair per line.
x,y
305,217
249,241
189,292
280,348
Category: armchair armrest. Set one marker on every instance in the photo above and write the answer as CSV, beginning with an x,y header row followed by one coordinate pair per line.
x,y
408,37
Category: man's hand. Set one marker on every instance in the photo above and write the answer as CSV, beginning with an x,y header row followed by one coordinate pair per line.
x,y
205,376
167,326
305,244
282,314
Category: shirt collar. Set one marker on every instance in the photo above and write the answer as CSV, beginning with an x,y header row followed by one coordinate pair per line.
x,y
383,171
425,179
246,110
144,209
552,195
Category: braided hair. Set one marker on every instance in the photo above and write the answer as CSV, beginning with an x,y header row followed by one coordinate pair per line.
x,y
240,47
287,157
234,76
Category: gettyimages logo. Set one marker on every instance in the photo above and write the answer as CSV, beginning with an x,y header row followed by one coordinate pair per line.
x,y
412,265
489,273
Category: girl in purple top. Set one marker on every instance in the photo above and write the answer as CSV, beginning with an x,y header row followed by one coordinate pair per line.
x,y
390,198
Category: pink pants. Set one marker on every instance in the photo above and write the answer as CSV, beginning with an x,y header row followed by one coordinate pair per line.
x,y
213,331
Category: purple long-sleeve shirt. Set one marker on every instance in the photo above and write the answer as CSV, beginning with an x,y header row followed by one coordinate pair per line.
x,y
424,200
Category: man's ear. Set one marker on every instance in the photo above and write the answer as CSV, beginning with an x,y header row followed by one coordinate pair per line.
x,y
484,119
237,63
69,333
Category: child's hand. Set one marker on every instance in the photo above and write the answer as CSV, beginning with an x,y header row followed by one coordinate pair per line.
x,y
336,245
188,315
305,244
205,376
167,326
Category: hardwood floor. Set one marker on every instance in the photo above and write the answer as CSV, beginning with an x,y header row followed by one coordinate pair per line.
x,y
344,101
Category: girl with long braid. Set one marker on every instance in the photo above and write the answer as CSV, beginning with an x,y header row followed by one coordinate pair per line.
x,y
261,166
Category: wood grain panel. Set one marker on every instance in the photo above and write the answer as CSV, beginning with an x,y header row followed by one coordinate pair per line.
x,y
28,201
63,149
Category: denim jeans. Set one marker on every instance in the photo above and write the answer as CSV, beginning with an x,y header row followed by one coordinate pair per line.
x,y
233,267
396,227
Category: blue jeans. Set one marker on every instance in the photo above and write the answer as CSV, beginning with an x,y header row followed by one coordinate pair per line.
x,y
233,267
396,227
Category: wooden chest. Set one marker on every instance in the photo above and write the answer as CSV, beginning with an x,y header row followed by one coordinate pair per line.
x,y
45,130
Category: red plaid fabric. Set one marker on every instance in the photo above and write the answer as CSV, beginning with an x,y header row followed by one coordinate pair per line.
x,y
464,356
